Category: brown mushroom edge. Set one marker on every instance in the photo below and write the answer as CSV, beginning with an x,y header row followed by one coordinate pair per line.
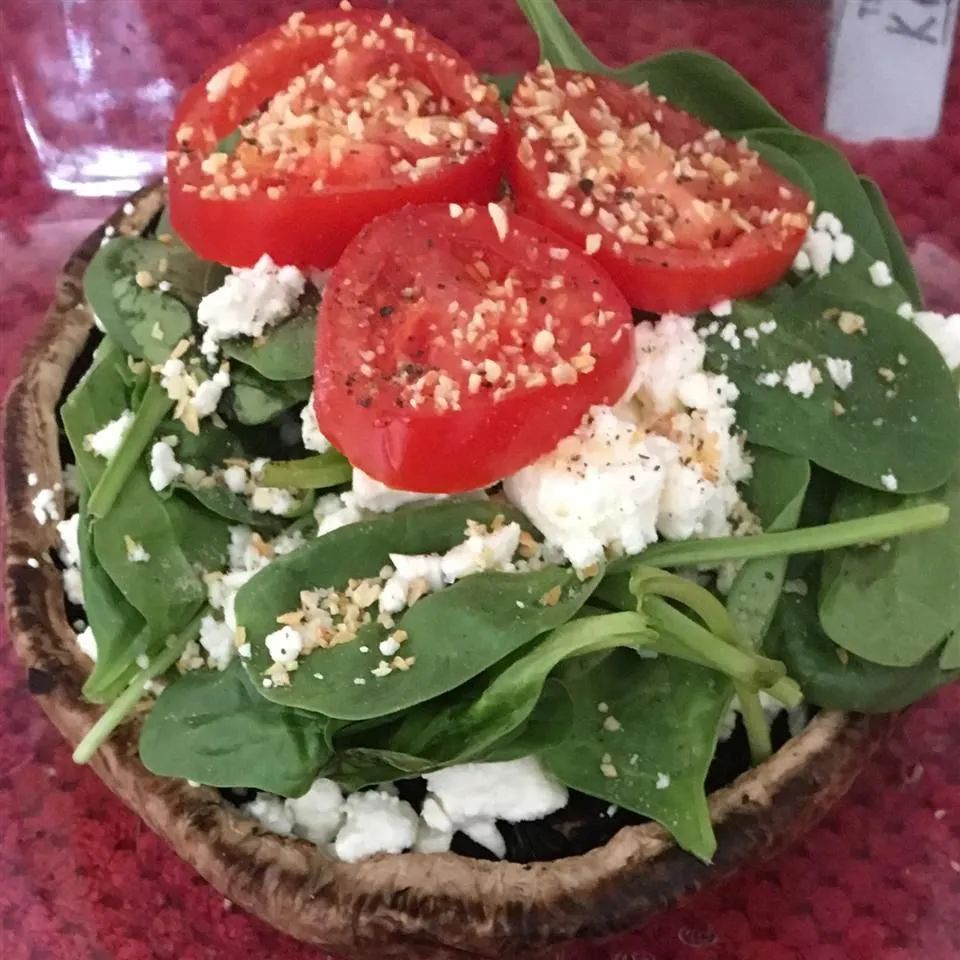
x,y
434,907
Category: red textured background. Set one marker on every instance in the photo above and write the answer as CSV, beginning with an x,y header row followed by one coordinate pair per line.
x,y
80,877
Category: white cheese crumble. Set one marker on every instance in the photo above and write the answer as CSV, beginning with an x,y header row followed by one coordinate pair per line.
x,y
425,573
335,510
284,645
471,797
666,462
32,479
250,300
136,552
45,507
164,467
370,494
106,441
313,439
209,392
67,530
318,814
824,243
216,638
880,274
271,813
87,643
802,378
663,781
889,481
840,371
944,331
376,822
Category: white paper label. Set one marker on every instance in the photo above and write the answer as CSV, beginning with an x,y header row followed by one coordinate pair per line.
x,y
889,67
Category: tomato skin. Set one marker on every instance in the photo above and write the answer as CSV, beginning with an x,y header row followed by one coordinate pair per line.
x,y
659,280
676,281
309,228
454,450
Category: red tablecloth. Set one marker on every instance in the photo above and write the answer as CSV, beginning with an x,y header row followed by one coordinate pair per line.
x,y
80,876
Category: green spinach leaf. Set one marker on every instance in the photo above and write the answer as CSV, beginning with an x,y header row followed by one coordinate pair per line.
x,y
285,351
454,634
837,680
120,630
950,655
214,728
102,394
643,736
146,322
893,603
698,82
900,263
910,426
253,399
166,590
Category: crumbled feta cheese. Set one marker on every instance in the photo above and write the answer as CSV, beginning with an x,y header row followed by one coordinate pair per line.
x,y
334,510
376,822
722,308
843,248
432,841
370,494
284,645
889,481
828,222
944,331
622,477
73,585
840,371
45,506
69,548
801,378
880,274
471,797
313,439
825,242
136,552
235,479
769,379
905,310
164,468
819,248
217,639
107,440
480,551
273,500
318,814
32,479
663,781
250,300
87,643
271,813
209,392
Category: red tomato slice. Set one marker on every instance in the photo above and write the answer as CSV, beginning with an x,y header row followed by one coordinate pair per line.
x,y
456,346
343,116
680,216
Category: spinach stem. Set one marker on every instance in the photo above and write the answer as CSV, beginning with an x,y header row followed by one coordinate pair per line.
x,y
117,712
756,725
153,408
718,621
751,669
828,536
328,469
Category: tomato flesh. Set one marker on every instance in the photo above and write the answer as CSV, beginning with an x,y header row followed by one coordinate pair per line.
x,y
680,216
455,346
342,116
